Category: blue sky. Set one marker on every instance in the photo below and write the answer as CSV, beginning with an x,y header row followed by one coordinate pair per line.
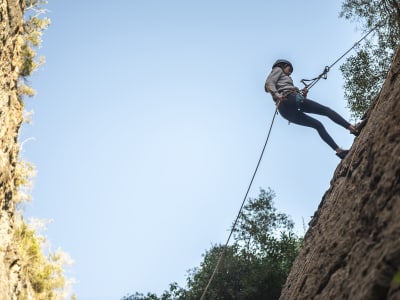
x,y
150,117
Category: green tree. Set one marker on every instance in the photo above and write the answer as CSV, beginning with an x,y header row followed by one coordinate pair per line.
x,y
365,71
259,222
255,266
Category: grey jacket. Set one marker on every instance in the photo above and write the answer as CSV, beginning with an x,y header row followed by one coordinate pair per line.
x,y
278,82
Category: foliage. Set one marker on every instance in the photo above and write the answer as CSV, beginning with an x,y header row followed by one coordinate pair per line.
x,y
24,172
40,269
254,267
44,273
365,71
258,223
33,26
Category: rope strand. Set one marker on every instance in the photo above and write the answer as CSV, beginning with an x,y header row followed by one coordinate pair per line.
x,y
241,208
324,74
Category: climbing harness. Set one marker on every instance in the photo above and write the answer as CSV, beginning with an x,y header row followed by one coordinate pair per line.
x,y
299,100
308,83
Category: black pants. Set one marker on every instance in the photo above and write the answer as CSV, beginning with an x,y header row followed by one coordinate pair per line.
x,y
294,110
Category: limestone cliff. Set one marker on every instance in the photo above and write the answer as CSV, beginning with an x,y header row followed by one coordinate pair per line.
x,y
352,248
11,108
26,271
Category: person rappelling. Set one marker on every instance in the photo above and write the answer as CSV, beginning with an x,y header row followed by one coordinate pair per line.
x,y
293,104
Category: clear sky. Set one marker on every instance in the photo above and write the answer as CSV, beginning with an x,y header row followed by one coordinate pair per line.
x,y
150,117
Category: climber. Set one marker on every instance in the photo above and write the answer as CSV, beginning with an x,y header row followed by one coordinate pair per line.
x,y
292,104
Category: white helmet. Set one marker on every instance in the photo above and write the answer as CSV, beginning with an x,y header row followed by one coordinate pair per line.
x,y
282,63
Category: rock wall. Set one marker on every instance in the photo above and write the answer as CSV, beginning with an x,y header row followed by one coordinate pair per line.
x,y
11,109
352,248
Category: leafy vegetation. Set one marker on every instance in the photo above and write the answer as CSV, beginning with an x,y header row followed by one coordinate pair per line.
x,y
254,267
40,269
44,273
365,71
34,25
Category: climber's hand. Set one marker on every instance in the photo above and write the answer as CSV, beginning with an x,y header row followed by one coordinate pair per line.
x,y
304,92
280,97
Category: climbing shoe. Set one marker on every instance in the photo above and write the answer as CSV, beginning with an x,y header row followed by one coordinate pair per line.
x,y
358,127
342,154
355,131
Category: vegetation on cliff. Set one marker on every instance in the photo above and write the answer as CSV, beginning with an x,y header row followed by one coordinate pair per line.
x,y
33,27
43,271
40,270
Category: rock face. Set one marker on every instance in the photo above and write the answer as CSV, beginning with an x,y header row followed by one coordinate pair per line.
x,y
11,109
352,248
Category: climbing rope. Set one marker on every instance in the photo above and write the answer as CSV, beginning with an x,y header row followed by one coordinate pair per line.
x,y
241,207
308,84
